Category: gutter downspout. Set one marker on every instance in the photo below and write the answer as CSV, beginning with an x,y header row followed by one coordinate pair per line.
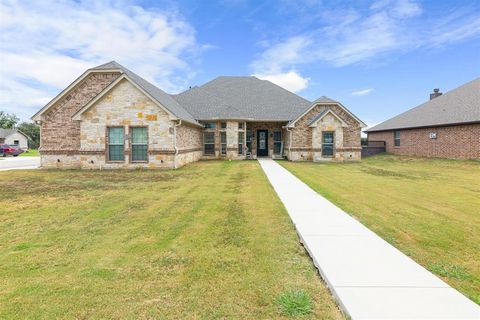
x,y
175,143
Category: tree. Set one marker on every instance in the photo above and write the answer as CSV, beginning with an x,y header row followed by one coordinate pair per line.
x,y
32,131
7,120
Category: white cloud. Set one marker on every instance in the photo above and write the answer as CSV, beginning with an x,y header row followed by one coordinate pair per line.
x,y
387,27
362,92
271,64
45,46
289,80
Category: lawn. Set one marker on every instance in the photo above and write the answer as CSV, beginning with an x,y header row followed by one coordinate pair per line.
x,y
207,241
30,153
427,208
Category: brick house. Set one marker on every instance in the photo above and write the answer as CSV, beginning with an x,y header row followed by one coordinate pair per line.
x,y
110,117
447,126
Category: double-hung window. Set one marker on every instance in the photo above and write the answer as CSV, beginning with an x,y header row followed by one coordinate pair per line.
x,y
327,144
209,143
277,142
139,144
249,141
396,138
223,143
116,144
240,142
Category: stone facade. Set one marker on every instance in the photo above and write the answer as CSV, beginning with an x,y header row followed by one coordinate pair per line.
x,y
306,141
455,142
271,127
124,106
172,143
189,144
58,131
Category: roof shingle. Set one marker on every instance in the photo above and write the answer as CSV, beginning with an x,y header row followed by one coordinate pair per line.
x,y
460,105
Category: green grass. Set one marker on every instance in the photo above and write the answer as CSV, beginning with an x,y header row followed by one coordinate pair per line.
x,y
295,303
30,153
208,241
428,208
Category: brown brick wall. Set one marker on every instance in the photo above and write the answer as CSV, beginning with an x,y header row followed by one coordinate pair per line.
x,y
58,131
455,142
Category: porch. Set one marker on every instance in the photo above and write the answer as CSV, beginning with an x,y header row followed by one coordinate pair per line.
x,y
243,139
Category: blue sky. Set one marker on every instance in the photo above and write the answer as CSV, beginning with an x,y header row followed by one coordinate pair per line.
x,y
378,58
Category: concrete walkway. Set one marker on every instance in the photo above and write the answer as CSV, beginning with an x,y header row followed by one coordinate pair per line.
x,y
19,163
369,278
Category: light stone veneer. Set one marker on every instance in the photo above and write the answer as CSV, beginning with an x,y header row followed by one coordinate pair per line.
x,y
125,106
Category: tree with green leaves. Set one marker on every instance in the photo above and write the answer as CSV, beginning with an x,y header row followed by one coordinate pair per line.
x,y
8,120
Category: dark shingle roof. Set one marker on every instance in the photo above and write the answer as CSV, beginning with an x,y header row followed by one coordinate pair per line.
x,y
162,97
460,105
241,98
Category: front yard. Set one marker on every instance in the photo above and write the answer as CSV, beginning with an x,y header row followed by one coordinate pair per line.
x,y
428,208
211,240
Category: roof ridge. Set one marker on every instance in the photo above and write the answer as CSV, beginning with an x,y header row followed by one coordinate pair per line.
x,y
425,105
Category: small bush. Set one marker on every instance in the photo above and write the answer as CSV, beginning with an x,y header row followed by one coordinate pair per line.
x,y
295,303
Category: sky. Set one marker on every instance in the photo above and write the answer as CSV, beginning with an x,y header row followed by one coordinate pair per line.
x,y
379,58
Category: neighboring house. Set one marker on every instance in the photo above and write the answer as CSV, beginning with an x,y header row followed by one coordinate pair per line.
x,y
447,126
110,117
14,136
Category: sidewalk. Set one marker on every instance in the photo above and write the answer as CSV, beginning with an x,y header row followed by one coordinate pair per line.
x,y
369,278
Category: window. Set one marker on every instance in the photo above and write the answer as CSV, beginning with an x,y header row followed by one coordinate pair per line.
x,y
240,126
223,125
277,142
139,144
240,143
327,144
209,125
249,140
396,138
209,143
223,143
16,142
116,144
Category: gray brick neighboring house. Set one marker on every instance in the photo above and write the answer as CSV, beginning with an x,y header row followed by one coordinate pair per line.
x,y
112,118
446,126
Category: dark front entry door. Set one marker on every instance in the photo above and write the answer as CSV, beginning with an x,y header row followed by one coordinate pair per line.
x,y
262,143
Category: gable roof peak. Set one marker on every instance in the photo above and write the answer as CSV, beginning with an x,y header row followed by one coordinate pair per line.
x,y
324,99
109,65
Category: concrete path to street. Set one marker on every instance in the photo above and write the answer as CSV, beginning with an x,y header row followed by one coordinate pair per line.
x,y
18,163
369,278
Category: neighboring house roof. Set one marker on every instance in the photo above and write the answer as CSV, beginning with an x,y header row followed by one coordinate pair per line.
x,y
4,133
246,98
460,105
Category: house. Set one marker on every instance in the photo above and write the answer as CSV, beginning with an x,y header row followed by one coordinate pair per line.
x,y
14,136
446,126
110,117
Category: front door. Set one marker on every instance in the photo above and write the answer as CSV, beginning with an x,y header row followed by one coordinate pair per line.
x,y
262,143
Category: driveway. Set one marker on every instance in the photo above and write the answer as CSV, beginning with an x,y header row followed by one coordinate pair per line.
x,y
19,163
369,278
